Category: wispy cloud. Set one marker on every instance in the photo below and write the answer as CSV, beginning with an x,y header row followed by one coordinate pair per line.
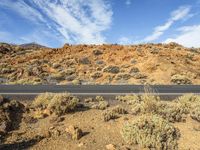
x,y
179,14
80,21
128,2
189,36
124,40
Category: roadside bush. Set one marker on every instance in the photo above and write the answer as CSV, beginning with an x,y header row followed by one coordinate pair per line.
x,y
129,99
43,100
62,103
151,131
102,105
56,103
99,98
173,112
195,113
188,101
113,113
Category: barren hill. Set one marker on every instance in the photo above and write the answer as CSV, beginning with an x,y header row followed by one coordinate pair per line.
x,y
100,64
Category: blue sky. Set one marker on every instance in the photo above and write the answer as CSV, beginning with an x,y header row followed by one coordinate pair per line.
x,y
55,22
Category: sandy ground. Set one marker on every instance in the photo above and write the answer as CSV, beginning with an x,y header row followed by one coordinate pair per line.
x,y
96,133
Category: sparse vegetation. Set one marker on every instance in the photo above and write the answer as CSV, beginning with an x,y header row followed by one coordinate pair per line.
x,y
113,112
56,103
151,131
101,105
195,112
100,64
62,103
43,100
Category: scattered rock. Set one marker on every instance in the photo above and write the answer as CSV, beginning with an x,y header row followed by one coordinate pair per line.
x,y
97,52
70,71
96,75
110,147
134,70
196,127
71,78
74,132
55,65
112,69
123,76
133,61
100,62
84,61
180,79
139,76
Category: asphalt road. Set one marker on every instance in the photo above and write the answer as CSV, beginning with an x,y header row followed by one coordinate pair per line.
x,y
98,89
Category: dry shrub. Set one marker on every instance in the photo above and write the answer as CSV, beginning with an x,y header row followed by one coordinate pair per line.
x,y
129,99
43,100
151,131
99,98
62,103
188,101
113,113
173,112
56,103
195,113
101,105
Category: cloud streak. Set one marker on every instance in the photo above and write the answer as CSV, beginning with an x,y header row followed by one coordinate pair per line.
x,y
80,21
189,36
179,14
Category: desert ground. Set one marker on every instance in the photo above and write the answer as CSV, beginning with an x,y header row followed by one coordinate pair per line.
x,y
65,122
99,64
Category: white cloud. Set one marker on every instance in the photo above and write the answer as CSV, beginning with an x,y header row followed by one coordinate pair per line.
x,y
179,14
189,36
80,21
23,9
128,2
125,40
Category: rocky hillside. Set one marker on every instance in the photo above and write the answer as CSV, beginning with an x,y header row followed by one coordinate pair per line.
x,y
100,64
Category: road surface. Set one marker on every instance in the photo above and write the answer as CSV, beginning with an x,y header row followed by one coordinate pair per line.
x,y
98,89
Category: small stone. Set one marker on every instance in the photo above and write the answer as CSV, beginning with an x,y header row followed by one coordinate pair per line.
x,y
74,132
46,134
110,147
55,133
97,52
81,144
96,75
84,61
47,112
112,69
196,127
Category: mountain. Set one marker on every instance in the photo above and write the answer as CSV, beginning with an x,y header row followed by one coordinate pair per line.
x,y
101,64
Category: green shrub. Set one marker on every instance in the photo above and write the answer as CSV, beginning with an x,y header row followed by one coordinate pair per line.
x,y
151,131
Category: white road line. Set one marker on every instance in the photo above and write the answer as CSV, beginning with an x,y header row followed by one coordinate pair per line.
x,y
100,93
